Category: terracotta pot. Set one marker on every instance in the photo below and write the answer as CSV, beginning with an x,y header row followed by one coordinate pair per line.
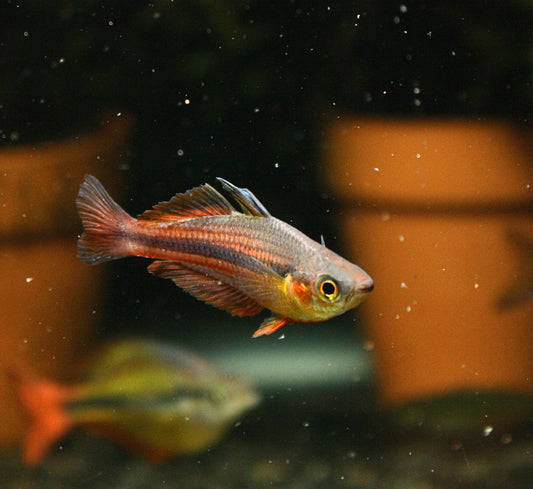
x,y
47,296
428,208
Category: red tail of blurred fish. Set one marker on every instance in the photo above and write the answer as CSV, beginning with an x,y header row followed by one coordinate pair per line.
x,y
43,401
104,223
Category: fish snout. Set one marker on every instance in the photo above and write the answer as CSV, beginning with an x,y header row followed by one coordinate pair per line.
x,y
366,285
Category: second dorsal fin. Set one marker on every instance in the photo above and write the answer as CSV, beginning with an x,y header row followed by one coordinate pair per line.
x,y
197,202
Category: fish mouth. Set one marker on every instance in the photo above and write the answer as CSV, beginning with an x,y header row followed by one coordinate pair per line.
x,y
360,292
366,286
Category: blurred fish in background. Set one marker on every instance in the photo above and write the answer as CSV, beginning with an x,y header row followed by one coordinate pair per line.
x,y
154,398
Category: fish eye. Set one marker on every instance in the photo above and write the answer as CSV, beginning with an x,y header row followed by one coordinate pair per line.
x,y
328,288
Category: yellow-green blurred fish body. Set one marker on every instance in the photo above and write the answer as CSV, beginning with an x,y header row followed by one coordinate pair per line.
x,y
153,397
240,262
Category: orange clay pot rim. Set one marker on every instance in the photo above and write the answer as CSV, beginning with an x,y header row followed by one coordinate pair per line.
x,y
67,150
355,204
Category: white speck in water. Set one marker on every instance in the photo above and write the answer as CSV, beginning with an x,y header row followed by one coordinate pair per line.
x,y
476,286
444,269
408,308
276,165
385,216
180,152
187,101
282,337
397,316
418,155
403,8
487,430
403,285
29,279
376,169
256,110
401,238
306,424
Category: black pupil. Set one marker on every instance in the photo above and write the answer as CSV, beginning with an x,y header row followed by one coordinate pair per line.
x,y
328,288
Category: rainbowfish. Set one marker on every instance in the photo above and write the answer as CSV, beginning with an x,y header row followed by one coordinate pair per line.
x,y
240,262
153,397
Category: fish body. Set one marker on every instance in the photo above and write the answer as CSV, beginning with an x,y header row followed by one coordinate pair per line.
x,y
240,262
155,398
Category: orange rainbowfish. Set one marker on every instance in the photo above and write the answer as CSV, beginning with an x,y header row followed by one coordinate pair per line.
x,y
240,262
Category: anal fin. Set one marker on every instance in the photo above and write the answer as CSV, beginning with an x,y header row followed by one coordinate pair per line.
x,y
206,288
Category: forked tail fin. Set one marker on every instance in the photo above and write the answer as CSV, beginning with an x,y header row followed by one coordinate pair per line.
x,y
104,224
43,400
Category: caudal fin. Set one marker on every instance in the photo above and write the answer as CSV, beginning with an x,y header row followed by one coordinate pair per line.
x,y
43,400
104,224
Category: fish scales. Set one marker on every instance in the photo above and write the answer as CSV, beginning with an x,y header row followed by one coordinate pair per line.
x,y
241,242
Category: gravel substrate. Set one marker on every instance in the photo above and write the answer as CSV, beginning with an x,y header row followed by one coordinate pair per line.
x,y
291,448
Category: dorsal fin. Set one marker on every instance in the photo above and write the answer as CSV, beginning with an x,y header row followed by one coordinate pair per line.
x,y
247,200
196,202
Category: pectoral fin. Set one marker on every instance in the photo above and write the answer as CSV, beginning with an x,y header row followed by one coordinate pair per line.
x,y
271,324
206,288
